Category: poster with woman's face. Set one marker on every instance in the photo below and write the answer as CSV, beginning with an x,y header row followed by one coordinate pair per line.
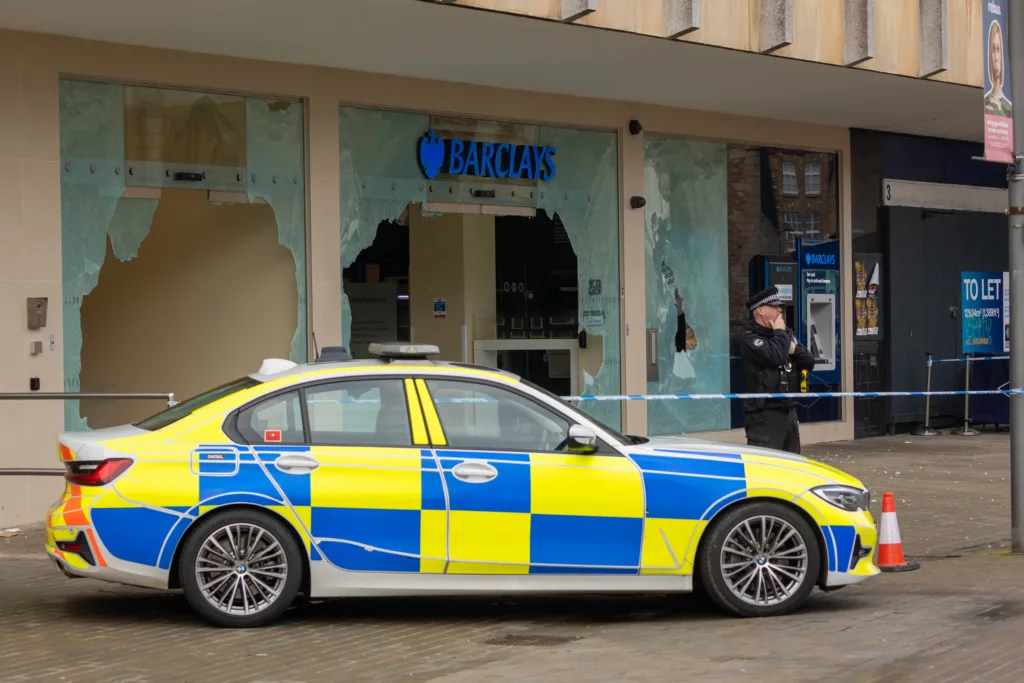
x,y
998,98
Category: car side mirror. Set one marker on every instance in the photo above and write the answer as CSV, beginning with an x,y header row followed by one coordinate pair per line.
x,y
582,440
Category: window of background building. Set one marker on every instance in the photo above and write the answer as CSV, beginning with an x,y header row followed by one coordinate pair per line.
x,y
812,226
794,228
812,179
789,185
712,209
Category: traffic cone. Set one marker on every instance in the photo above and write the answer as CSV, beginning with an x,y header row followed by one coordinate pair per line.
x,y
890,546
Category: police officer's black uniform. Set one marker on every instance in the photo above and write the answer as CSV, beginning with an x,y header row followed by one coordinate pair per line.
x,y
768,367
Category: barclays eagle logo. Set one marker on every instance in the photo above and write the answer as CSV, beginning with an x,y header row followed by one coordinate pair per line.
x,y
807,257
431,155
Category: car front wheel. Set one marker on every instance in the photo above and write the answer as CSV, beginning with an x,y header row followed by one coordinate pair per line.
x,y
240,568
761,560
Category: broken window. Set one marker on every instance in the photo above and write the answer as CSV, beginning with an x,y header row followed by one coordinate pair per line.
x,y
183,235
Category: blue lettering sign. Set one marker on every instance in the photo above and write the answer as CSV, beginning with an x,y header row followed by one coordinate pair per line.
x,y
985,319
484,159
820,259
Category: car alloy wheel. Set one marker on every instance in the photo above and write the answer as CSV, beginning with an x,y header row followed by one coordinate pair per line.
x,y
241,569
764,561
759,559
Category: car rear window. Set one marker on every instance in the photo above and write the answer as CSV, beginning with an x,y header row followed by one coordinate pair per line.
x,y
186,408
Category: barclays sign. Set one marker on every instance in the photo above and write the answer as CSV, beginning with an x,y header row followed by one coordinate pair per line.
x,y
820,259
484,159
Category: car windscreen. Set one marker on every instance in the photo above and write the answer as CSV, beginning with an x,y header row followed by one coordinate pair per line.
x,y
186,408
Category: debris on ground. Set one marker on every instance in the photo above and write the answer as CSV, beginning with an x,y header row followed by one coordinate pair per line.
x,y
9,533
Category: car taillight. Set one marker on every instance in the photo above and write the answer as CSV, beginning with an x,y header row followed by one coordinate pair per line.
x,y
99,473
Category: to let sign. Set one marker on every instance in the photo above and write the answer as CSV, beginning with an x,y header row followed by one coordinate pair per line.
x,y
985,327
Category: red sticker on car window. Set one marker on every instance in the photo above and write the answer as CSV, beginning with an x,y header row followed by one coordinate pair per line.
x,y
272,435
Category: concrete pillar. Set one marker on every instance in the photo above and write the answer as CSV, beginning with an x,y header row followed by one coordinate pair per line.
x,y
634,281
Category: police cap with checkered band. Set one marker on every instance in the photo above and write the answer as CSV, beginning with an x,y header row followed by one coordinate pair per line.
x,y
767,297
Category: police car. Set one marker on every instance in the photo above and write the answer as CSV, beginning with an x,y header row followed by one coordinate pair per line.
x,y
401,475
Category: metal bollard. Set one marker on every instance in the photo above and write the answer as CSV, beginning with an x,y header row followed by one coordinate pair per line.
x,y
926,429
966,430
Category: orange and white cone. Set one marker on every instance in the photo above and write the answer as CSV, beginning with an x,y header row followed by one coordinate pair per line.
x,y
890,545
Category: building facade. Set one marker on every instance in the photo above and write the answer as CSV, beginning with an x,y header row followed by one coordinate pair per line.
x,y
586,207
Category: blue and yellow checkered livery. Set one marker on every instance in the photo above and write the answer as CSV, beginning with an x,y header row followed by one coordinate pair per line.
x,y
404,510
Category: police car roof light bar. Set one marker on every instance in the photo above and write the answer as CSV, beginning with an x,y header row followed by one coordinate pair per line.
x,y
404,351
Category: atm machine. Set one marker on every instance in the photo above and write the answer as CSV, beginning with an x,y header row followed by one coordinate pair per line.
x,y
818,323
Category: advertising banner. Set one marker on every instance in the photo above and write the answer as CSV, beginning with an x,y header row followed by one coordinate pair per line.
x,y
986,312
998,97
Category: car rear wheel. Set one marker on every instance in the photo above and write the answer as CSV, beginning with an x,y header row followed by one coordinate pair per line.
x,y
761,560
240,568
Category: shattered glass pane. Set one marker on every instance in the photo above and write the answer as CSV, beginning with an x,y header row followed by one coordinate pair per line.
x,y
92,208
275,145
584,194
181,138
380,177
687,281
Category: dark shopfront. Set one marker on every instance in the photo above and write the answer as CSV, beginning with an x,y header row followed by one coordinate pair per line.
x,y
928,212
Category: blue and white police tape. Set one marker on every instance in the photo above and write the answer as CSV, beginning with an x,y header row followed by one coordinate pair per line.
x,y
964,359
808,394
705,397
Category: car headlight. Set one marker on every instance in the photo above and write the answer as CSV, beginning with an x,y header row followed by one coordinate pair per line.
x,y
844,497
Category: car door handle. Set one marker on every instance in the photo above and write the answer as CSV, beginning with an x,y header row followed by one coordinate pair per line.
x,y
293,462
474,472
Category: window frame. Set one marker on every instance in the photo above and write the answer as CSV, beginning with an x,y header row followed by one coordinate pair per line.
x,y
807,185
230,425
807,221
400,380
606,445
236,433
796,178
603,446
789,234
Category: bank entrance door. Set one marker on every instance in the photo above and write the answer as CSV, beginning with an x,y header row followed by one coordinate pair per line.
x,y
497,290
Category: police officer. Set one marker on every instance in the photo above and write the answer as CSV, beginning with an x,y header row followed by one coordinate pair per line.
x,y
772,363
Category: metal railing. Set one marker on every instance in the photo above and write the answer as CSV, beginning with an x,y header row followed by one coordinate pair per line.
x,y
967,359
30,472
70,396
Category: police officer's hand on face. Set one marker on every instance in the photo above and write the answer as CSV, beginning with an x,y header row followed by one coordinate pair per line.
x,y
778,323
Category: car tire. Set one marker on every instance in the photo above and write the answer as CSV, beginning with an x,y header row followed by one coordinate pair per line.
x,y
760,560
251,567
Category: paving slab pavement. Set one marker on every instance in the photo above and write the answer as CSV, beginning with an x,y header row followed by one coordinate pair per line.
x,y
959,618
